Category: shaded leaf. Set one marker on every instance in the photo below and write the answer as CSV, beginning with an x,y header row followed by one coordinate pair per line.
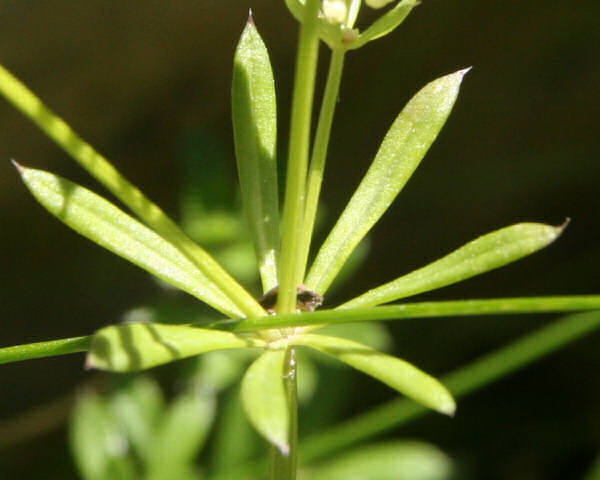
x,y
394,372
221,369
98,443
296,8
181,435
264,398
137,406
234,440
401,151
478,256
103,223
372,334
401,460
386,23
255,132
137,346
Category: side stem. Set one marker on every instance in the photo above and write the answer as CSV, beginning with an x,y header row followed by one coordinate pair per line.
x,y
319,154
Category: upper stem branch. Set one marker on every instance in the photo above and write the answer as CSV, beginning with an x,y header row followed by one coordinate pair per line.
x,y
319,154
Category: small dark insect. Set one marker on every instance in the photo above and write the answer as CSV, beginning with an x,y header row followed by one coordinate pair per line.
x,y
307,300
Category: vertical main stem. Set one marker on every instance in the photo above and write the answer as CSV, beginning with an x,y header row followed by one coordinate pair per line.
x,y
319,154
293,207
284,465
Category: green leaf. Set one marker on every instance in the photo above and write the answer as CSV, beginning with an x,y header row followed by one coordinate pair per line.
x,y
401,151
234,441
103,223
137,407
97,441
401,460
255,131
594,472
181,435
491,367
296,8
137,346
264,398
394,372
478,256
221,369
385,24
56,129
372,334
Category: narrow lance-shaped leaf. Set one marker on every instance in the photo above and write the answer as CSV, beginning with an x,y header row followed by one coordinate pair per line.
x,y
264,398
394,372
478,256
296,8
104,223
137,346
401,151
255,131
385,24
56,129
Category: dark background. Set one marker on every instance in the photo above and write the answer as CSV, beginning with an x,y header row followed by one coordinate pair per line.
x,y
521,145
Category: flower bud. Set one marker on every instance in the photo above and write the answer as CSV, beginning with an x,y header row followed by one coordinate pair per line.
x,y
378,3
335,11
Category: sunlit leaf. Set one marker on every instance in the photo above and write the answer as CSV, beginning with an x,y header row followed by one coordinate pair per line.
x,y
137,346
102,222
394,372
53,126
265,400
255,131
401,460
478,256
401,151
386,23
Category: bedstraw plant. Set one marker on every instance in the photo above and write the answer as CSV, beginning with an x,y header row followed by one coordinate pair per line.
x,y
287,317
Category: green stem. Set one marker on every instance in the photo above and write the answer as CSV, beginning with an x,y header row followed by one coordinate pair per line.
x,y
284,465
498,306
461,382
319,154
32,107
51,348
293,208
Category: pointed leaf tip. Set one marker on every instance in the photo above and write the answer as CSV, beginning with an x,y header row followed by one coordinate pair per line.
x,y
400,153
17,165
464,71
564,225
250,17
481,255
254,114
394,372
